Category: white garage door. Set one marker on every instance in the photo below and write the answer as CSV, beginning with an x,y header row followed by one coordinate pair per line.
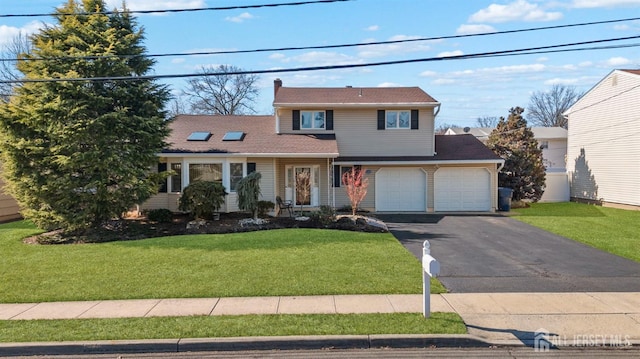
x,y
401,190
462,189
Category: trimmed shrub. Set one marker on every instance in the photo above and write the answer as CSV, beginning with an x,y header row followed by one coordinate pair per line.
x,y
264,207
202,199
160,215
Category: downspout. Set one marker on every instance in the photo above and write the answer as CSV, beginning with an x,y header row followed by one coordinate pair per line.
x,y
437,111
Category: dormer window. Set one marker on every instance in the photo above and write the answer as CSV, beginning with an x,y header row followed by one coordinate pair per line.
x,y
312,120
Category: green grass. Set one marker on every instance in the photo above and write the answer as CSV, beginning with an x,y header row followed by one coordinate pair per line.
x,y
612,230
264,263
228,326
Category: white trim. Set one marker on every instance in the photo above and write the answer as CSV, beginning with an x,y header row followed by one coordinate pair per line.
x,y
417,163
242,154
352,105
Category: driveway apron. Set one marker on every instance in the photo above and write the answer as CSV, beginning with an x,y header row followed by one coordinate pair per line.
x,y
494,253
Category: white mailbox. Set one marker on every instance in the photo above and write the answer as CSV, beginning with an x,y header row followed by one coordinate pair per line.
x,y
430,268
430,265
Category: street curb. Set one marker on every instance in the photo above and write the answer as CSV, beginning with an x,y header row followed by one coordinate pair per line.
x,y
244,343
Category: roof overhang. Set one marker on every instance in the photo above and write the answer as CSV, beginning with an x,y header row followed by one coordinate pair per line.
x,y
241,154
413,163
357,105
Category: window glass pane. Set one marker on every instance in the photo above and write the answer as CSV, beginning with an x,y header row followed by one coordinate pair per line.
x,y
391,119
289,177
405,119
176,178
319,120
205,172
235,174
305,119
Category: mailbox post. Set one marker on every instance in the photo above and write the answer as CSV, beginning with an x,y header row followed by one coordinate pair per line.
x,y
430,268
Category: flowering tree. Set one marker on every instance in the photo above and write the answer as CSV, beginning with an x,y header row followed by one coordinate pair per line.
x,y
356,186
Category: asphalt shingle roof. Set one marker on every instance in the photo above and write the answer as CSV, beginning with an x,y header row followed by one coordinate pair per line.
x,y
260,137
351,95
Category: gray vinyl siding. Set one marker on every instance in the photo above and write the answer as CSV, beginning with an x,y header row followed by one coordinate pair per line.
x,y
8,206
603,146
357,133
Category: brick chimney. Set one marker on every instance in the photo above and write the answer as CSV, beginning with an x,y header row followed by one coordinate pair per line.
x,y
277,83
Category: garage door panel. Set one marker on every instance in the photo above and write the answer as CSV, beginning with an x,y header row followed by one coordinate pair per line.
x,y
401,189
462,189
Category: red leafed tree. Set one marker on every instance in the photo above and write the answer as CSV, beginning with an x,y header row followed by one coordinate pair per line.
x,y
356,186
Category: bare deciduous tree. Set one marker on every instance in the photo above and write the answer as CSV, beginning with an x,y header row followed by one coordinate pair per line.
x,y
222,91
546,107
9,53
487,121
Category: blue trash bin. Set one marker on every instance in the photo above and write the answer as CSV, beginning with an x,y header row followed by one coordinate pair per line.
x,y
504,199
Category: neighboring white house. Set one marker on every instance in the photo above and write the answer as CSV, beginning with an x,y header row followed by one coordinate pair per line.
x,y
603,156
553,141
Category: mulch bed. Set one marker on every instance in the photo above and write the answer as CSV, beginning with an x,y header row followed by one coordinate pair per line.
x,y
141,228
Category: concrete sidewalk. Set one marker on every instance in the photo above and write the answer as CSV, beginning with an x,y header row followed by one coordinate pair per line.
x,y
492,316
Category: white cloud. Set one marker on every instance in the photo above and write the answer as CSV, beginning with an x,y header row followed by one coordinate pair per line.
x,y
618,61
519,10
428,73
277,56
560,81
240,18
451,53
585,64
467,29
179,60
389,84
8,33
443,82
542,59
604,3
369,51
317,58
136,5
372,28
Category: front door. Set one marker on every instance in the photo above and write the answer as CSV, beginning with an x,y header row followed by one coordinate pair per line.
x,y
302,185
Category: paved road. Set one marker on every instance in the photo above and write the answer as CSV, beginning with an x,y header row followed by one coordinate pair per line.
x,y
493,253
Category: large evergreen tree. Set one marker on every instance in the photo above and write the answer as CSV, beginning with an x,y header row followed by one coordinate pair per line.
x,y
78,153
523,170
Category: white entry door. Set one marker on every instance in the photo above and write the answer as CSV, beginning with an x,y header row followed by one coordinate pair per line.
x,y
302,187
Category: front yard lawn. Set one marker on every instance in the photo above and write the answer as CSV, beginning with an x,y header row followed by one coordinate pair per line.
x,y
263,263
229,326
612,230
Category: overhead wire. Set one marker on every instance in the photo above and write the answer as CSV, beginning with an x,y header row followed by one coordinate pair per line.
x,y
525,51
163,11
322,47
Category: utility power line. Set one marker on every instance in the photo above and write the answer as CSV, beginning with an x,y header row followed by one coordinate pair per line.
x,y
236,7
525,51
319,47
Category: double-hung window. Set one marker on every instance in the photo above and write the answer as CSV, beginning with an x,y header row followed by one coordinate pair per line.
x,y
398,119
235,175
176,177
312,119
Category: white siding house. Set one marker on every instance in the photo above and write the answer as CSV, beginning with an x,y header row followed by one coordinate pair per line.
x,y
603,148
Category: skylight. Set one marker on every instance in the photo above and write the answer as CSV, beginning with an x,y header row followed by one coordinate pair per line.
x,y
233,136
199,136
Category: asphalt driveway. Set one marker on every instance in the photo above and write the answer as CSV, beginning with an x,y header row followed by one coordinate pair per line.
x,y
493,253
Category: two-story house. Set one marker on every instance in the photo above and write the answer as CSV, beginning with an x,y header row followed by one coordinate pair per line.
x,y
389,132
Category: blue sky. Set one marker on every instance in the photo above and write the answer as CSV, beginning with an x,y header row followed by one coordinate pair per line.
x,y
467,89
